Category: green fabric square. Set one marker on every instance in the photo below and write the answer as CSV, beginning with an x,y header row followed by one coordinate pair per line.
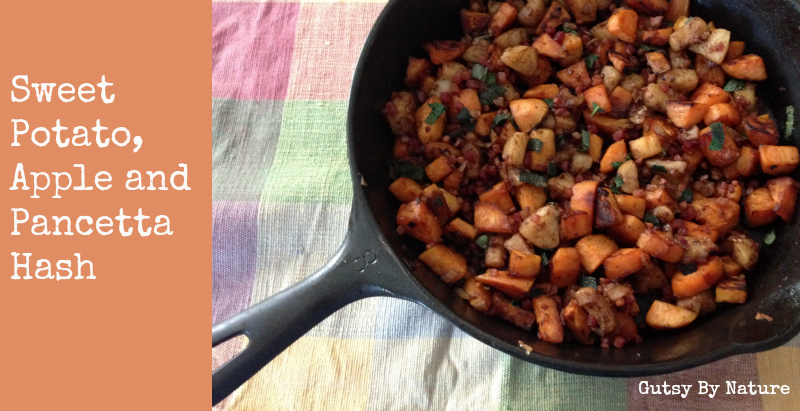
x,y
310,164
528,387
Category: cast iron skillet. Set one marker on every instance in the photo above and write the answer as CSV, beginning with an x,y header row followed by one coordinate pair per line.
x,y
373,259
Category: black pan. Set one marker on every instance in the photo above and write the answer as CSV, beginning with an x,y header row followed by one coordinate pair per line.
x,y
373,261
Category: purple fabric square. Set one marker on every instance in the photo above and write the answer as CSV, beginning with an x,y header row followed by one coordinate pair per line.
x,y
233,256
251,49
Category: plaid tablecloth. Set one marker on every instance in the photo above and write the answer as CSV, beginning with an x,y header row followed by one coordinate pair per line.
x,y
281,71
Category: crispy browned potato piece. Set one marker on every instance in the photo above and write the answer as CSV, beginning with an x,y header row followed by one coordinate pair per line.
x,y
664,316
719,213
515,287
442,51
732,290
503,308
784,194
658,245
472,21
575,319
419,222
547,317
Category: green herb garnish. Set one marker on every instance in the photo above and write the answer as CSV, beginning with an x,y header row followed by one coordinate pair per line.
x,y
770,237
405,169
465,119
687,195
491,78
590,60
533,178
717,137
552,169
651,49
587,281
545,260
734,85
617,184
439,202
479,72
482,241
568,30
658,168
437,109
501,118
616,164
491,94
535,144
586,139
597,109
789,122
549,102
560,140
649,218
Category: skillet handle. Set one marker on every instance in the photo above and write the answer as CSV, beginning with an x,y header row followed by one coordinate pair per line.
x,y
363,267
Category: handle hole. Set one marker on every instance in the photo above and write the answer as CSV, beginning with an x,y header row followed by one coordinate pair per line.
x,y
228,350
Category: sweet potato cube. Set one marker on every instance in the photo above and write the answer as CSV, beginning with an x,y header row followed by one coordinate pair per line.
x,y
445,262
593,249
735,49
461,230
549,320
658,245
484,123
719,213
607,125
531,196
732,290
778,159
439,169
758,207
541,160
416,71
784,193
442,51
515,287
677,9
620,99
490,218
479,297
657,37
575,76
624,262
629,175
419,222
528,112
405,189
649,7
685,114
453,181
615,153
597,95
522,59
708,72
760,131
657,61
622,25
502,18
472,21
436,200
606,210
725,155
555,16
748,67
749,161
715,47
665,316
575,318
575,224
515,148
542,91
546,46
687,285
631,205
724,113
583,196
701,231
565,267
495,255
709,95
645,147
429,133
521,264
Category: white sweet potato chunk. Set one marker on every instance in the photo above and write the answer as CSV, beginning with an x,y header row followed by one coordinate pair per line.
x,y
665,316
542,227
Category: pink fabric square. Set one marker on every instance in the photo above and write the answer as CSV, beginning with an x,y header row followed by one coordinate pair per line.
x,y
251,49
329,40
